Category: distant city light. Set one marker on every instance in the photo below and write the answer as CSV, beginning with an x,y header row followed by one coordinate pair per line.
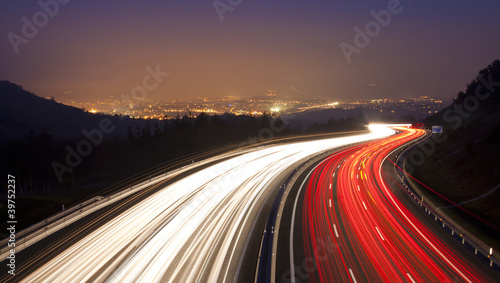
x,y
254,106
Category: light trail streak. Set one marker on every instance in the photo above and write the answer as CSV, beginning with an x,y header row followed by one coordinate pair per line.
x,y
189,230
402,248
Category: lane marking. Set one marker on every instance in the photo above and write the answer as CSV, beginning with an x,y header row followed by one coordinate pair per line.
x,y
335,228
330,186
352,275
365,206
333,174
358,188
409,276
379,233
292,266
330,202
414,226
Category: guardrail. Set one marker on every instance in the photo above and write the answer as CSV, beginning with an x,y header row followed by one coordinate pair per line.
x,y
51,219
46,227
40,230
473,244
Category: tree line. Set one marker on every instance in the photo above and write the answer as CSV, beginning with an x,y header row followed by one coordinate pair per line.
x,y
30,157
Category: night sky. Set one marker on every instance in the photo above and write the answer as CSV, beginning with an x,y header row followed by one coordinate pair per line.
x,y
99,49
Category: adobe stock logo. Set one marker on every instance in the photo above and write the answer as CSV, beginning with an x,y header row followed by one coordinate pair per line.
x,y
363,37
93,138
222,7
455,116
40,19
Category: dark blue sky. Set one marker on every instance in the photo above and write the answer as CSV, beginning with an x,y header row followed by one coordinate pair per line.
x,y
99,49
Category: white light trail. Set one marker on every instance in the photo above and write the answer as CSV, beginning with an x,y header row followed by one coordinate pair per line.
x,y
188,230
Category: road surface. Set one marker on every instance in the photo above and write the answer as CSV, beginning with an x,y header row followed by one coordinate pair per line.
x,y
355,228
195,229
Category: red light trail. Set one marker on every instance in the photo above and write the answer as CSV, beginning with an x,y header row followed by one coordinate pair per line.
x,y
377,238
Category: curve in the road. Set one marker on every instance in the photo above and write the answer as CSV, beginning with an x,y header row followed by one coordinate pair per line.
x,y
191,230
372,235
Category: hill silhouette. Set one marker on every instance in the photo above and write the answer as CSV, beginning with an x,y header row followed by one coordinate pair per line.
x,y
22,112
475,105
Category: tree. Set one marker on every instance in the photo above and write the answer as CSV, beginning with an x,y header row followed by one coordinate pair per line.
x,y
146,130
157,132
130,135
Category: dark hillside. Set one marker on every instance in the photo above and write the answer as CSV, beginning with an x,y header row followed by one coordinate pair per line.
x,y
22,111
466,165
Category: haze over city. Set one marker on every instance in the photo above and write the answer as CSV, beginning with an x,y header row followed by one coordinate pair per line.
x,y
94,50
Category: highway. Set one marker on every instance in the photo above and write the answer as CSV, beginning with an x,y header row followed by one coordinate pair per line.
x,y
344,221
195,229
354,227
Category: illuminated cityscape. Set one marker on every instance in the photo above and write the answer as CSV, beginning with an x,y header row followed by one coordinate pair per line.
x,y
142,108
